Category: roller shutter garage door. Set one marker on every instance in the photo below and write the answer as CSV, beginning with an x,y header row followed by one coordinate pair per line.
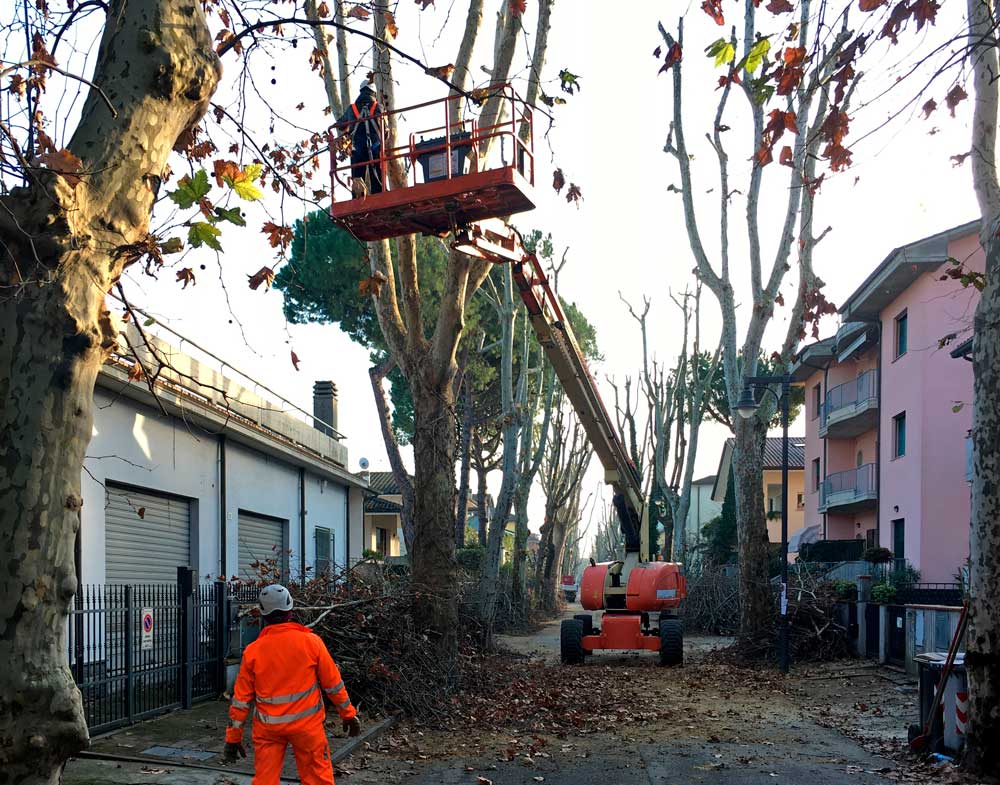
x,y
147,536
261,539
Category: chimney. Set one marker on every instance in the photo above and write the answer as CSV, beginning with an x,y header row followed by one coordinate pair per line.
x,y
325,407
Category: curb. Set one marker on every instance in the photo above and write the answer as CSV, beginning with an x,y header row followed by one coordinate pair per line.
x,y
345,751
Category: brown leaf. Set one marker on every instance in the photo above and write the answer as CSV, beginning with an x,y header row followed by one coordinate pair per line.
x,y
295,360
958,160
358,12
673,57
870,5
558,180
141,512
372,285
222,169
187,276
780,298
424,3
780,7
928,107
17,86
574,194
441,71
955,96
277,235
390,24
265,275
518,7
323,10
67,165
135,373
483,781
714,9
224,18
785,159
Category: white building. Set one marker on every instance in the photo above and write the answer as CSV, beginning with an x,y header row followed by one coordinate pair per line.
x,y
702,509
209,474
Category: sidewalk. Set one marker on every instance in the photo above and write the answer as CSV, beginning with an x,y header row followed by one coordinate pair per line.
x,y
193,736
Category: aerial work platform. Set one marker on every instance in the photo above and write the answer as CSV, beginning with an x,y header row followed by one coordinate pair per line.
x,y
448,184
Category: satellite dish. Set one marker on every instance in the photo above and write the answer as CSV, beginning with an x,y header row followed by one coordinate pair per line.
x,y
363,463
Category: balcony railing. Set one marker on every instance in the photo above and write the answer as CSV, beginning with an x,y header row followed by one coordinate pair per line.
x,y
851,395
850,487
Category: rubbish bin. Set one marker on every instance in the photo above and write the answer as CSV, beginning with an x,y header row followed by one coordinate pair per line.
x,y
434,162
948,729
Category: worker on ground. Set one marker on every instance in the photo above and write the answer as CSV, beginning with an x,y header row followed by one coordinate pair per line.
x,y
287,674
361,122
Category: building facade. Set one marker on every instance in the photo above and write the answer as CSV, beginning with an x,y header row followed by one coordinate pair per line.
x,y
383,516
196,469
772,483
702,509
888,409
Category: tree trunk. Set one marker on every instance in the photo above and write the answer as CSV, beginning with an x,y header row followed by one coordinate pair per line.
x,y
468,423
549,575
482,511
982,651
519,601
157,65
434,569
756,607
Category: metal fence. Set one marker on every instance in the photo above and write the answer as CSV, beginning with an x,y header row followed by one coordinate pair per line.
x,y
139,650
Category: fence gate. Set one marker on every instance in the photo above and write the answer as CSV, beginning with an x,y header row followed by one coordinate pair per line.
x,y
896,649
139,650
871,631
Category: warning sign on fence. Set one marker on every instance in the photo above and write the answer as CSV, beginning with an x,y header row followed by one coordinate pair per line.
x,y
147,629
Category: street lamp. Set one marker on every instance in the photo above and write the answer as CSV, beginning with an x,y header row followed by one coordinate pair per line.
x,y
746,407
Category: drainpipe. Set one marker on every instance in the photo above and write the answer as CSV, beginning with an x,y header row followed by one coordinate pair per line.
x,y
823,468
347,527
223,572
302,524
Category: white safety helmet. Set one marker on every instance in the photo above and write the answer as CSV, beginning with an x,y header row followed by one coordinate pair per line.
x,y
368,85
275,598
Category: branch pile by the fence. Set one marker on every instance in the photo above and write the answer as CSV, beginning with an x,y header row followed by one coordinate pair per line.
x,y
364,616
815,631
713,603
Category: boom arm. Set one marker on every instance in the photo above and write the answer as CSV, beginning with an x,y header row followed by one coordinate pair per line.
x,y
557,340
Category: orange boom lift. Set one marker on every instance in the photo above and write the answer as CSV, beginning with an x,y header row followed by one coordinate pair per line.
x,y
446,192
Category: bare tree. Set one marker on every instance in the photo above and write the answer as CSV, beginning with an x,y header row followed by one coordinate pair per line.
x,y
812,99
566,460
428,360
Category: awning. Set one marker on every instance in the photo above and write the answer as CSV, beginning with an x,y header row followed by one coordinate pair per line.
x,y
806,536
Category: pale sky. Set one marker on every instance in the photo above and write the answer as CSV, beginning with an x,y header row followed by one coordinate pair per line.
x,y
627,234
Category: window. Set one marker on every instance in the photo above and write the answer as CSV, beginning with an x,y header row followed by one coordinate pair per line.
x,y
900,344
899,435
817,478
324,551
870,538
800,501
774,498
817,401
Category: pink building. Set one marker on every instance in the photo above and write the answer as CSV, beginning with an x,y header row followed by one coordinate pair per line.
x,y
888,409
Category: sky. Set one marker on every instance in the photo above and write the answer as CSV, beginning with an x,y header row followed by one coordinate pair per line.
x,y
626,238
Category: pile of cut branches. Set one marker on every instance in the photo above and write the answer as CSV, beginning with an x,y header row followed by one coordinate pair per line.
x,y
816,630
713,603
364,616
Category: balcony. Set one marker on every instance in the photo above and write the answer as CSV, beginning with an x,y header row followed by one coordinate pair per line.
x,y
850,408
849,491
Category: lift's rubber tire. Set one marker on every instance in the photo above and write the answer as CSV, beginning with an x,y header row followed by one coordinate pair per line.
x,y
671,641
915,730
587,621
571,596
571,642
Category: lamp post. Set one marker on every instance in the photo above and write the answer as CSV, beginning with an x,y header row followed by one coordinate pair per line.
x,y
747,407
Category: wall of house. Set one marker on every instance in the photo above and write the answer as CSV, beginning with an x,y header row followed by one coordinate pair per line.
x,y
135,444
813,449
927,487
701,510
796,514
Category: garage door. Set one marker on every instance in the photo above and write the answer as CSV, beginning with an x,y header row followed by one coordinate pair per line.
x,y
147,536
260,540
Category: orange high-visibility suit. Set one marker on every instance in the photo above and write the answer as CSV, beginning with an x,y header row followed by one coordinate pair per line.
x,y
283,673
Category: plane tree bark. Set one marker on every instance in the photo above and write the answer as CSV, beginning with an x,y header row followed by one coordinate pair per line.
x,y
64,240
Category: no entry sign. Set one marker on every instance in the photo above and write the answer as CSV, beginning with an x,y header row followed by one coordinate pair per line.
x,y
147,629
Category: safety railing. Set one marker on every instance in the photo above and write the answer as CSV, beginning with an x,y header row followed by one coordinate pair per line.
x,y
447,148
848,487
849,395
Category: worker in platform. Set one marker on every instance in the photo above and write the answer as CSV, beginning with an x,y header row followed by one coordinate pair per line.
x,y
361,121
288,676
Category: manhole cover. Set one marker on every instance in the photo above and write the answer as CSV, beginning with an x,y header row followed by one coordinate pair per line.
x,y
179,752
